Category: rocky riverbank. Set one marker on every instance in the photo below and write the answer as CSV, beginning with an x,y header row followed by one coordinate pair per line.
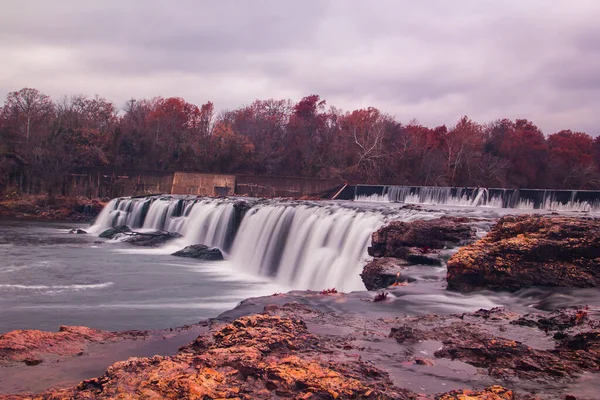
x,y
277,347
530,251
40,208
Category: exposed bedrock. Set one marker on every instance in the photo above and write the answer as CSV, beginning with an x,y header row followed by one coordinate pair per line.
x,y
292,351
422,242
200,251
111,233
399,239
33,347
526,251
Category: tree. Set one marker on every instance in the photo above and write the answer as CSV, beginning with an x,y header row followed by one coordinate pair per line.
x,y
463,147
571,159
525,147
26,109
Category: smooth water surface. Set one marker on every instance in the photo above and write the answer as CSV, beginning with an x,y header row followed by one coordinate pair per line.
x,y
49,278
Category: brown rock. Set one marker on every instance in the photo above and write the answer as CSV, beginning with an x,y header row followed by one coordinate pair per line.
x,y
490,393
397,238
382,272
30,346
530,251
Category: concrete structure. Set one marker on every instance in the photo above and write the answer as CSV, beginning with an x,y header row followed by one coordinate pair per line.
x,y
274,186
203,184
115,182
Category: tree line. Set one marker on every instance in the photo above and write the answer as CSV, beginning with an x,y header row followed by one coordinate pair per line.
x,y
284,138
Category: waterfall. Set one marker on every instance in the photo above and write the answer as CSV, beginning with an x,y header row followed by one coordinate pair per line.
x,y
306,246
199,221
302,245
529,199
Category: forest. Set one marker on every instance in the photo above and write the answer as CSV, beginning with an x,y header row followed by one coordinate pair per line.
x,y
308,138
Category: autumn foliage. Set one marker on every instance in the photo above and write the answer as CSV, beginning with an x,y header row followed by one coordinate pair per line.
x,y
280,137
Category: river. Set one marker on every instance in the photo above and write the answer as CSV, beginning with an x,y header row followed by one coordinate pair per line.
x,y
49,277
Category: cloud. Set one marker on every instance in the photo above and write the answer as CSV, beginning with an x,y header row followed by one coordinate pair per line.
x,y
434,60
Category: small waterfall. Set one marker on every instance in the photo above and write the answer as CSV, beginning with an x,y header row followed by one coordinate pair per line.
x,y
529,199
301,245
200,222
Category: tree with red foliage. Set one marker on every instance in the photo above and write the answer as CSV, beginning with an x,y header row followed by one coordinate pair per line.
x,y
525,147
571,159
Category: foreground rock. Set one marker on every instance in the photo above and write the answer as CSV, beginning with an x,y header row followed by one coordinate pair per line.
x,y
153,239
529,251
399,239
200,252
292,351
112,233
382,272
32,347
400,244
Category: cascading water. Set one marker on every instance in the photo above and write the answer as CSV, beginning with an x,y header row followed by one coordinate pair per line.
x,y
198,221
528,199
301,245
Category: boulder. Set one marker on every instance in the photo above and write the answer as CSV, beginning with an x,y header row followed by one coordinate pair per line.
x,y
153,239
382,272
524,251
200,252
414,241
111,233
77,231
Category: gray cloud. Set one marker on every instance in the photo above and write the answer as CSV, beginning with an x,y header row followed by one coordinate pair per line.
x,y
434,60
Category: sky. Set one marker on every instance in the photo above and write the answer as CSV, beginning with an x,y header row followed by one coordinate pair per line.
x,y
429,60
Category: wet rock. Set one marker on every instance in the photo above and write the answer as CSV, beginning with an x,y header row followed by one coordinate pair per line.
x,y
201,252
153,239
78,231
111,233
256,357
529,251
491,341
490,393
399,239
31,346
382,272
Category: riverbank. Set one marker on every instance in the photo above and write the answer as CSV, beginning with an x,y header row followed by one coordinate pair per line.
x,y
292,346
414,340
41,208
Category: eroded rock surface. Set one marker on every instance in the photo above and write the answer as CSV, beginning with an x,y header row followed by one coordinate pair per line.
x,y
153,239
296,352
397,238
200,252
32,347
421,242
529,251
382,272
111,233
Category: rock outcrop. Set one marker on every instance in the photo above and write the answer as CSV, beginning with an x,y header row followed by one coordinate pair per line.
x,y
529,251
32,346
400,239
400,244
382,272
292,351
152,239
200,252
111,233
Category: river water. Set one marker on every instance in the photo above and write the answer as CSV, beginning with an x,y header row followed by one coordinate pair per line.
x,y
49,277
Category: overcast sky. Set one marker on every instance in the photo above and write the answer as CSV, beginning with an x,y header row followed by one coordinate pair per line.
x,y
430,60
